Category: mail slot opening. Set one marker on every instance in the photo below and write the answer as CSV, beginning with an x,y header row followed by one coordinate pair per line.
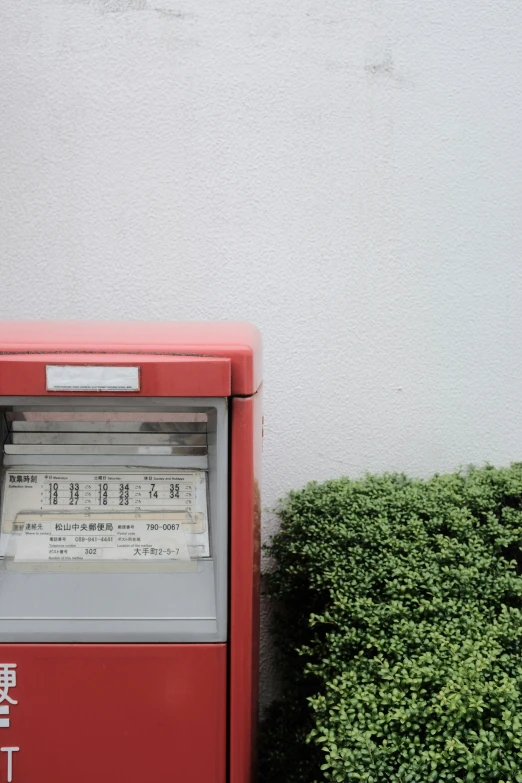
x,y
104,432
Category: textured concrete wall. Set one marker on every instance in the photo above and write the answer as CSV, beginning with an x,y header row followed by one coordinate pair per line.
x,y
347,174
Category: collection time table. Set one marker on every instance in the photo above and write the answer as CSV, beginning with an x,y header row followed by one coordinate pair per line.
x,y
130,492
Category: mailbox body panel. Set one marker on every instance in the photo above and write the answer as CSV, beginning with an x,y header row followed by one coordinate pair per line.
x,y
245,525
118,712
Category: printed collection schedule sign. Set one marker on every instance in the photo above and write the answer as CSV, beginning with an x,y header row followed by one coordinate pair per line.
x,y
82,514
104,491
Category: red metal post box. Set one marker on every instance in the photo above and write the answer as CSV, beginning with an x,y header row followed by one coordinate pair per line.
x,y
129,551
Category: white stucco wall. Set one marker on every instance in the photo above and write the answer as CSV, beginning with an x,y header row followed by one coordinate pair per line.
x,y
347,174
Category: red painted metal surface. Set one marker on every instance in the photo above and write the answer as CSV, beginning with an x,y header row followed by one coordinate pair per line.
x,y
245,521
111,713
240,342
160,376
148,712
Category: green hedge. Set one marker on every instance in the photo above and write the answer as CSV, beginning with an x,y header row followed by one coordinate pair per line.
x,y
398,617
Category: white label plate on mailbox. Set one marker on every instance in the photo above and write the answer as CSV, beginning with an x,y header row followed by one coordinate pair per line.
x,y
92,378
62,513
44,538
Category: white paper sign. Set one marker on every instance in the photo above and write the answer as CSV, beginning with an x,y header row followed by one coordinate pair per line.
x,y
92,378
74,510
101,537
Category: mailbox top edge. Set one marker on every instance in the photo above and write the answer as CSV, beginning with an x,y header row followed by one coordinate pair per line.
x,y
238,341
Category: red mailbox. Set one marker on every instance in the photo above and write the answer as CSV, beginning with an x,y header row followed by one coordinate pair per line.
x,y
129,551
